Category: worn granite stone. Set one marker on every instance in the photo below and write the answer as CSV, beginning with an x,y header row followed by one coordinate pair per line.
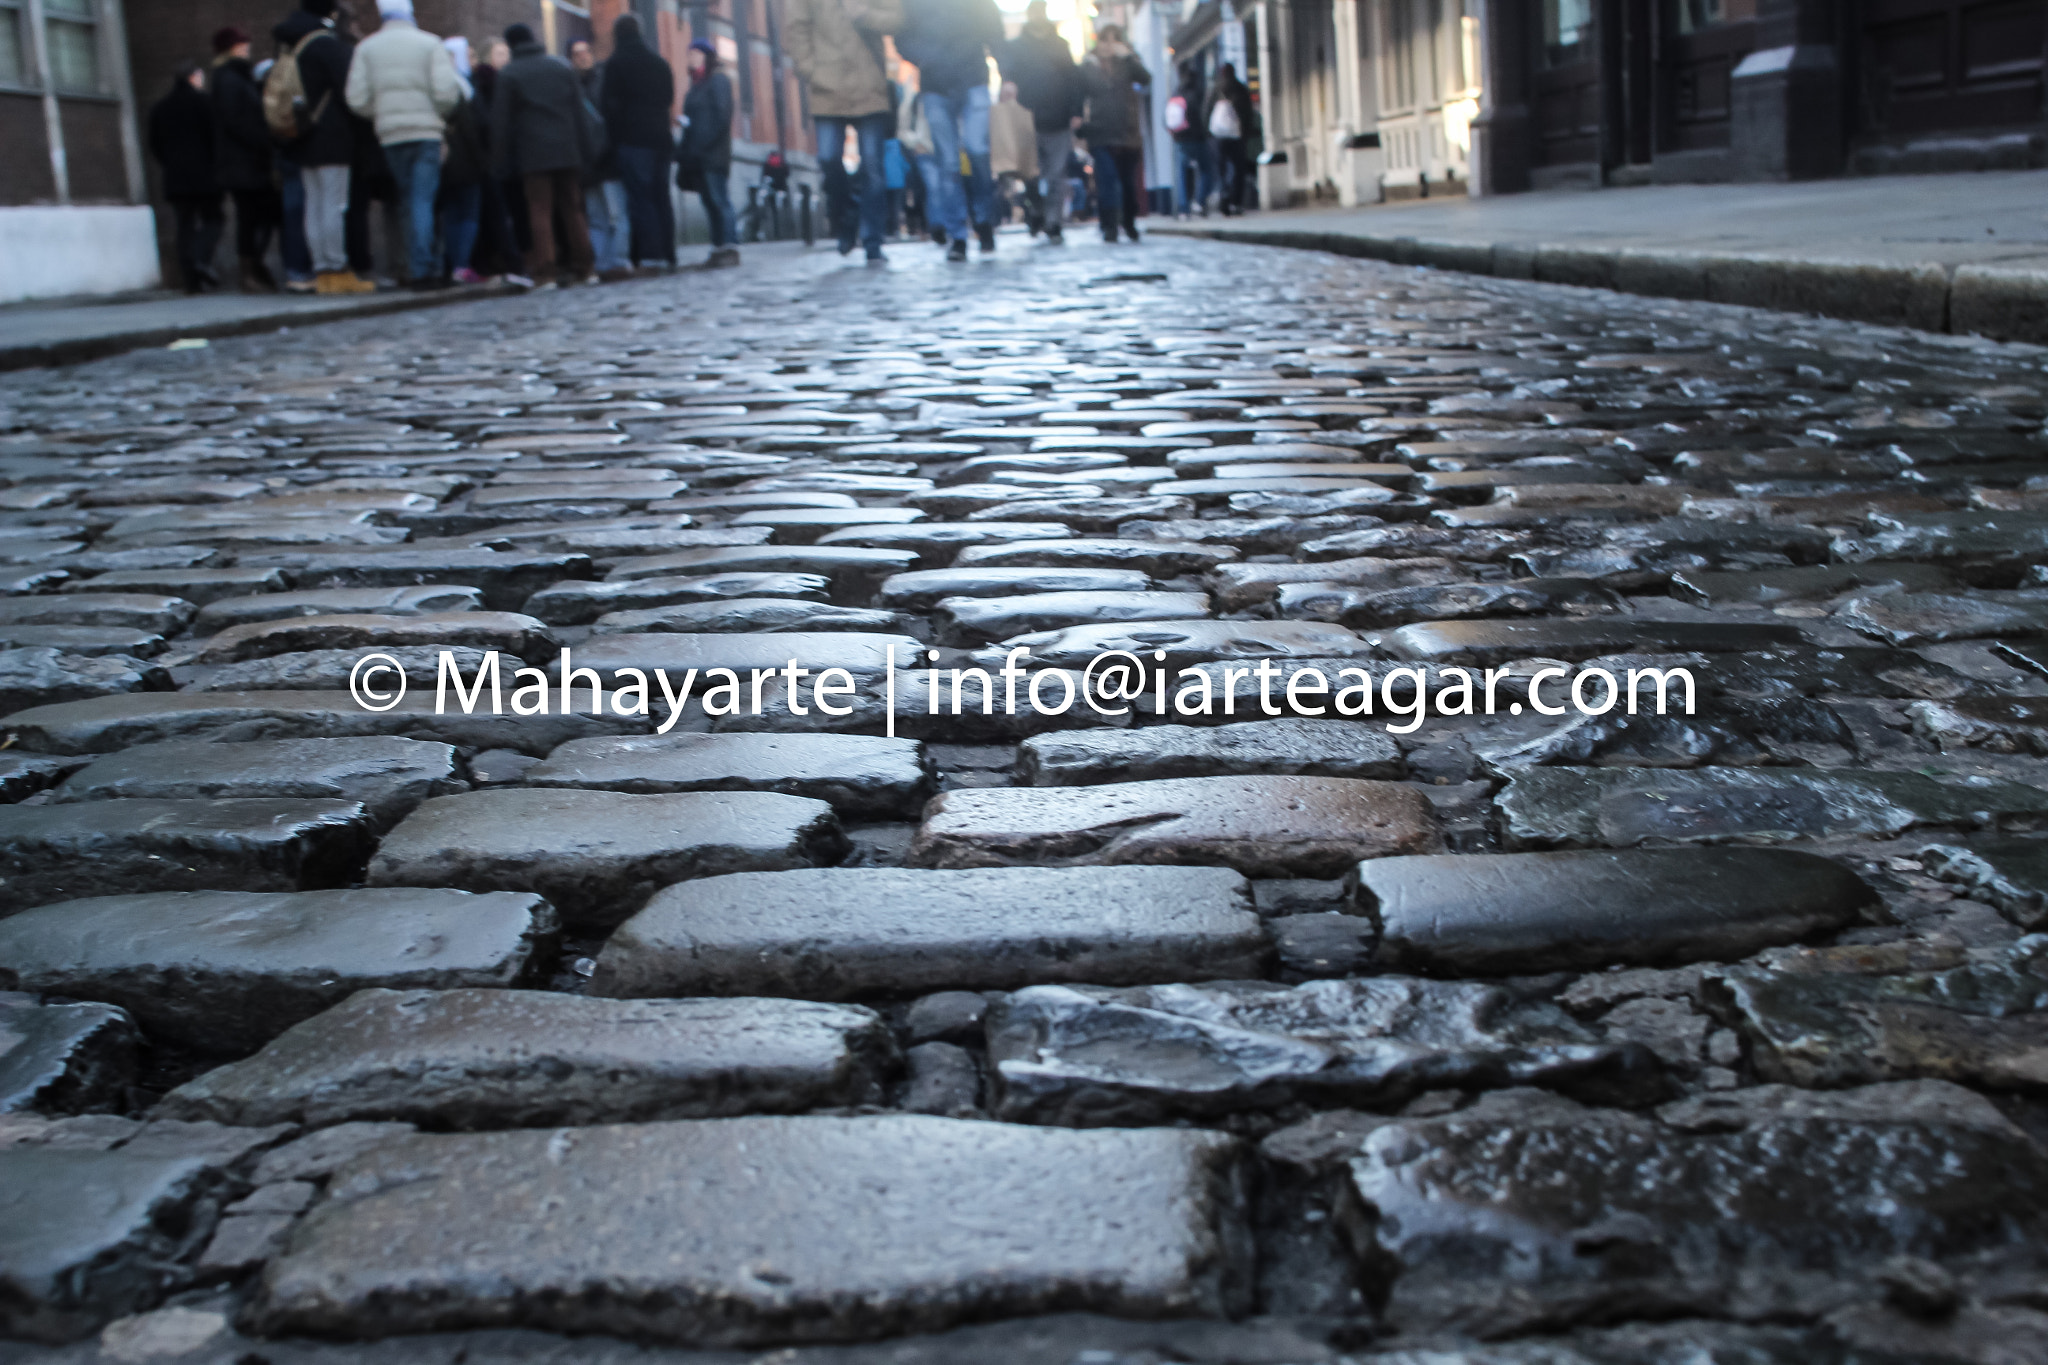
x,y
598,855
1091,1056
1295,746
1264,826
1518,913
388,776
225,971
481,1059
864,774
733,1232
60,852
64,1057
850,932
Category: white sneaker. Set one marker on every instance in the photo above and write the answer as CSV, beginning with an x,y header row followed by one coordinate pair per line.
x,y
519,281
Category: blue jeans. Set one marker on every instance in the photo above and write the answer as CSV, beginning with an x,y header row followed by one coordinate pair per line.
x,y
298,257
653,214
1201,157
611,231
465,218
960,121
872,130
716,192
416,166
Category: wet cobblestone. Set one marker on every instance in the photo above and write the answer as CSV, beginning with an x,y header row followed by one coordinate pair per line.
x,y
1263,1030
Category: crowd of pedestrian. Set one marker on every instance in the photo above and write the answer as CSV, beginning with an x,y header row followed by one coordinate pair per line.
x,y
543,170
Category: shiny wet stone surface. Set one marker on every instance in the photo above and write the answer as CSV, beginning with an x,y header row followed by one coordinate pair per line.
x,y
1215,1017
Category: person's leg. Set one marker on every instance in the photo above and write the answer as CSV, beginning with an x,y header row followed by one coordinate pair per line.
x,y
664,208
326,206
298,257
622,223
416,166
637,169
597,213
540,222
185,239
1108,192
717,196
465,220
1130,175
568,191
1205,167
213,225
873,132
974,135
1183,172
1054,147
949,197
355,225
839,198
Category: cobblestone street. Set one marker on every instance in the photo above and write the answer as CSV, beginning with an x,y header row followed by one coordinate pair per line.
x,y
1374,959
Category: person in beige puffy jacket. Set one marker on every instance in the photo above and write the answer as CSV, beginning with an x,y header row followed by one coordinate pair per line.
x,y
405,83
837,48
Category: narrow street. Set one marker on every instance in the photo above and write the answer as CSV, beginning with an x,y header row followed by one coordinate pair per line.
x,y
1375,958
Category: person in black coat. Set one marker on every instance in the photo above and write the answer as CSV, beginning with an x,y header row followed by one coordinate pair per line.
x,y
705,162
537,134
241,154
639,91
181,139
1049,85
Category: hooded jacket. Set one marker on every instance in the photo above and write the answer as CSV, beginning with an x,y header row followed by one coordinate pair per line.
x,y
537,114
638,95
404,81
323,71
1048,84
1116,115
841,57
241,139
948,41
181,139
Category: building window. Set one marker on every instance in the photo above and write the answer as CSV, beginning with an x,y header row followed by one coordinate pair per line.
x,y
74,42
13,59
1568,31
1694,15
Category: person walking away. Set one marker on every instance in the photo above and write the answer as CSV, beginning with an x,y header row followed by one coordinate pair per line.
x,y
404,81
538,134
181,139
895,178
241,155
1194,160
1013,153
323,142
914,136
836,46
604,193
1042,66
948,41
705,163
637,100
1229,121
1115,128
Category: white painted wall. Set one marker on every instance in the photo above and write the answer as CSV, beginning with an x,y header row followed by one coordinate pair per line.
x,y
49,252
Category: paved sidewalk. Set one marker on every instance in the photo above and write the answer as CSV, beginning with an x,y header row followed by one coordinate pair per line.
x,y
65,331
1961,253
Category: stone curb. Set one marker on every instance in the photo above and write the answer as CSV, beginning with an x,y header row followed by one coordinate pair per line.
x,y
79,349
1989,301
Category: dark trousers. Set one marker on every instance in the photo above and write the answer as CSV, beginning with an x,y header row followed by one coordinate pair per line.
x,y
714,188
257,214
200,222
653,213
857,212
1118,173
1236,171
298,256
552,197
